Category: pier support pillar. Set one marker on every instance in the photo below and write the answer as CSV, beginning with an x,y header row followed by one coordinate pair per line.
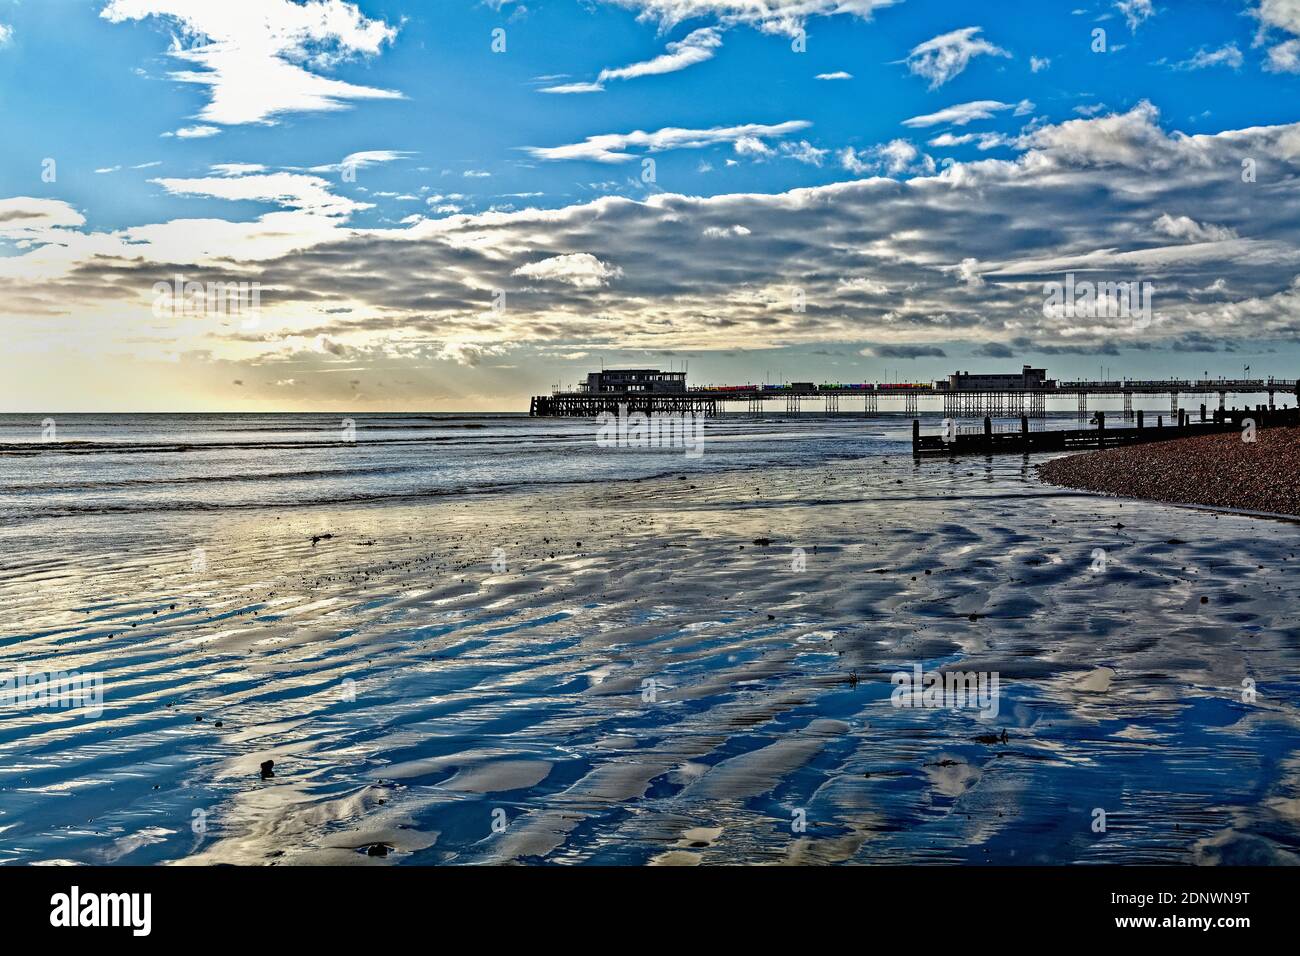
x,y
1128,406
909,403
1083,406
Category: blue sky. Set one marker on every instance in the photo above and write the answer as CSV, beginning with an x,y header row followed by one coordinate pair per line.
x,y
923,166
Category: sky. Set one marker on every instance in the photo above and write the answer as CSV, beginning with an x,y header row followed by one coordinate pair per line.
x,y
453,205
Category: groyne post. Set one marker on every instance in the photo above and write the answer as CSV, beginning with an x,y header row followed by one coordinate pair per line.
x,y
1139,418
1101,429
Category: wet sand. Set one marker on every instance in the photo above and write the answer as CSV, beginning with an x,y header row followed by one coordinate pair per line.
x,y
642,683
1220,471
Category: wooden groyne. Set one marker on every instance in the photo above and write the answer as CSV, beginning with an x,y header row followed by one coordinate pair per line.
x,y
992,440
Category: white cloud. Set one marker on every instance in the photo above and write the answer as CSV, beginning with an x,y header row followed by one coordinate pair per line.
x,y
752,146
804,152
696,47
195,132
1228,55
838,75
236,169
1135,12
1285,57
257,56
721,232
579,269
1184,227
894,158
362,160
613,147
1039,63
25,218
771,16
569,88
1282,14
289,190
6,34
941,58
959,115
984,141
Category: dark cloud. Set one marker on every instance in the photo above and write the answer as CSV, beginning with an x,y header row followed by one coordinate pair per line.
x,y
906,351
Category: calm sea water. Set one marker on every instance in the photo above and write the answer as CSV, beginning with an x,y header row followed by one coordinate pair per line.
x,y
142,463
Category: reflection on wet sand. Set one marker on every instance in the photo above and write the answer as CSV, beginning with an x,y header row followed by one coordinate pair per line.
x,y
642,683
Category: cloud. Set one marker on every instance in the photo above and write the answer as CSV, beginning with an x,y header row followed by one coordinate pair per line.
x,y
1284,58
613,147
1281,14
1038,64
1184,227
903,351
1135,12
288,190
717,232
362,160
236,169
896,157
696,47
959,115
983,141
6,34
26,219
941,58
195,132
1228,55
570,88
785,17
838,75
578,269
804,152
889,262
261,58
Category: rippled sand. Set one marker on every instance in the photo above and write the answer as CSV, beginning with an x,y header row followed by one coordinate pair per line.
x,y
421,706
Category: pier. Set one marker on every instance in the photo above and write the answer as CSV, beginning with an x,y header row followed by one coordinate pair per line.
x,y
961,395
1001,440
